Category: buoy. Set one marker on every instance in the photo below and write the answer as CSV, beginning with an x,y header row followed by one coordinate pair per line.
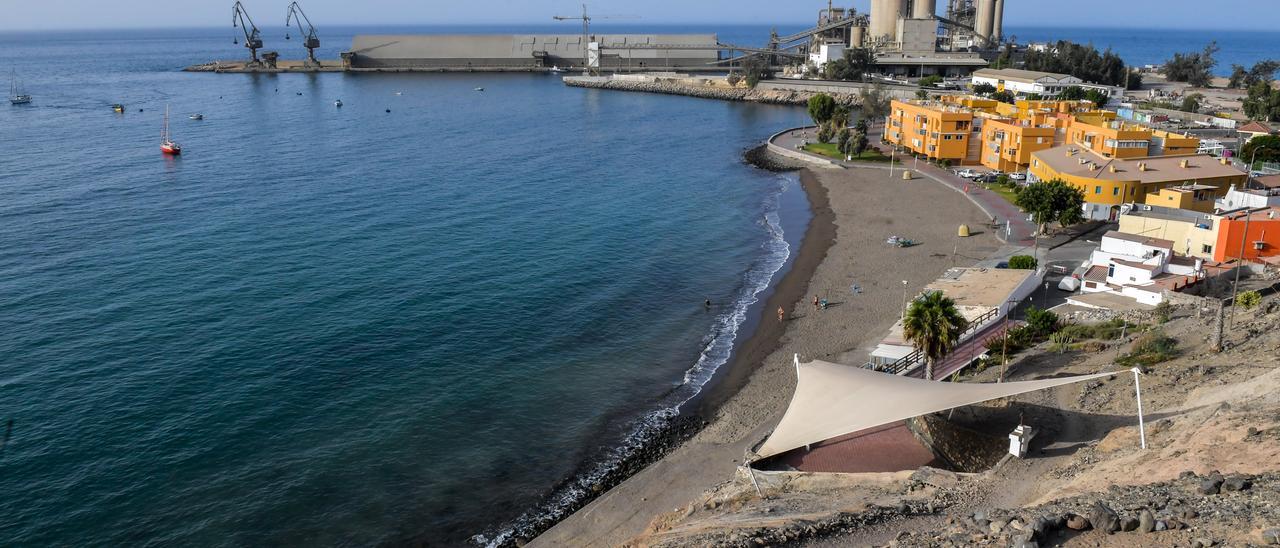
x,y
388,110
964,231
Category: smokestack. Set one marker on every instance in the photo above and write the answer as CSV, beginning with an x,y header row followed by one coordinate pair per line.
x,y
984,21
997,27
924,9
884,20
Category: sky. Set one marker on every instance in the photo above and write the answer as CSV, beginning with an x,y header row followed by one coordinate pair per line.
x,y
93,14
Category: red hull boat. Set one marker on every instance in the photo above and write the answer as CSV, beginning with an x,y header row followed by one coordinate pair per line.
x,y
167,145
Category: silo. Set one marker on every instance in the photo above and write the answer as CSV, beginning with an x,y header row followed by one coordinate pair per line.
x,y
858,37
884,19
984,20
997,28
924,9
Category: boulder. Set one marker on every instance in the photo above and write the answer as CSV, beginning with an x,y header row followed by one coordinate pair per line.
x,y
1104,518
1270,537
1203,543
1236,483
1209,486
1146,521
1129,524
1078,523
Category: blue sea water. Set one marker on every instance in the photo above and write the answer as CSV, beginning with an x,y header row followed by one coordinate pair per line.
x,y
325,326
1140,47
352,327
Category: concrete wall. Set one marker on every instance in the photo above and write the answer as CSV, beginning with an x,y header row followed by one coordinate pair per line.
x,y
828,86
524,51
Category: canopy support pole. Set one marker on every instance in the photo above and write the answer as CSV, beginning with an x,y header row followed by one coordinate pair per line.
x,y
752,471
1137,388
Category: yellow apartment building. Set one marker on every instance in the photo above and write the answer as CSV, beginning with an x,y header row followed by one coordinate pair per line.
x,y
1102,134
1007,145
1165,143
1191,197
1109,182
932,129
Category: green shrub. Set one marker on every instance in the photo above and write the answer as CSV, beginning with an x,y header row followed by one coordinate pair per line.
x,y
1150,349
1061,341
945,163
1041,323
1022,262
1163,312
825,134
1248,300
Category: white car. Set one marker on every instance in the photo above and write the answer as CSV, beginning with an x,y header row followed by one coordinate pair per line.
x,y
1018,176
967,173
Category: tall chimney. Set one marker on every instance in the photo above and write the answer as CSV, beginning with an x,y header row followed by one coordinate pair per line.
x,y
997,26
984,21
924,9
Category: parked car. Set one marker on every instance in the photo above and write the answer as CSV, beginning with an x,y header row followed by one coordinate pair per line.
x,y
986,178
1018,176
967,173
1069,284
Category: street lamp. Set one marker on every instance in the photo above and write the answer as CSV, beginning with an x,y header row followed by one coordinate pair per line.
x,y
904,301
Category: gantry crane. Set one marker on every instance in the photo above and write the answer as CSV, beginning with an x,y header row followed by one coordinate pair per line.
x,y
252,38
587,65
309,40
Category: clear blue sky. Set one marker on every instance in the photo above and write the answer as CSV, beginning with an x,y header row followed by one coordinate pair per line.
x,y
76,14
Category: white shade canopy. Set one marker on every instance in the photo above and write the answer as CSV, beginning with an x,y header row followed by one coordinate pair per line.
x,y
833,400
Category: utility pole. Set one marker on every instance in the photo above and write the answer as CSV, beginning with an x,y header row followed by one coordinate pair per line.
x,y
1235,289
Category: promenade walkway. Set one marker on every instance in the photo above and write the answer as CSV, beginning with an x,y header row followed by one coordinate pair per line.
x,y
1020,230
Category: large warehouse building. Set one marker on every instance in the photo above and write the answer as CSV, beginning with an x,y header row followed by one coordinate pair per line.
x,y
530,51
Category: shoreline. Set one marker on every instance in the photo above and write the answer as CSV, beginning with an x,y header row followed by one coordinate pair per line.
x,y
851,211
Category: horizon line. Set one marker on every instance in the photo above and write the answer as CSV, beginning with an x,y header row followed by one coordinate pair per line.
x,y
654,23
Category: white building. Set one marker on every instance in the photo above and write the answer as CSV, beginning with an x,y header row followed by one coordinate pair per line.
x,y
1139,268
825,53
1044,84
1252,199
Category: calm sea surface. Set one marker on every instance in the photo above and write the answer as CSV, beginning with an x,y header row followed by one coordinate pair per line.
x,y
348,326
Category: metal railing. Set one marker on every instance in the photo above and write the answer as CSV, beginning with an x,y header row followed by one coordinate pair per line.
x,y
913,360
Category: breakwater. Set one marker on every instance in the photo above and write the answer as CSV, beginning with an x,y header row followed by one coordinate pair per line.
x,y
685,86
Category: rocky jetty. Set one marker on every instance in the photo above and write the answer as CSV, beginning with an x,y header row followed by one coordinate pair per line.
x,y
773,97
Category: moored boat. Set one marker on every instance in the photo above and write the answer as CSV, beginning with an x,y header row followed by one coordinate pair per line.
x,y
167,145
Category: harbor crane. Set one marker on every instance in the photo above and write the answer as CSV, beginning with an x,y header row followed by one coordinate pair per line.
x,y
309,40
252,37
587,62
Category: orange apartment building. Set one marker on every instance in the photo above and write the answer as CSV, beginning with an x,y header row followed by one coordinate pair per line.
x,y
1007,145
1261,241
932,129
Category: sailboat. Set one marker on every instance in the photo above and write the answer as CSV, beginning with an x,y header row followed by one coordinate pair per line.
x,y
167,145
16,96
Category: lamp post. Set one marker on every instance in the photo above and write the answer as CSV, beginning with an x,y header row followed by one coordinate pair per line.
x,y
904,301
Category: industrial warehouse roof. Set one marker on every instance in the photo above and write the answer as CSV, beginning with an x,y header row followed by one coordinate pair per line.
x,y
1159,169
519,46
1019,75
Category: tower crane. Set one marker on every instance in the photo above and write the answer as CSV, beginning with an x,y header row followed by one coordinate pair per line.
x,y
309,40
586,34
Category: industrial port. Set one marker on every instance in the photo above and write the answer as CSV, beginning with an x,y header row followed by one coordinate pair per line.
x,y
909,38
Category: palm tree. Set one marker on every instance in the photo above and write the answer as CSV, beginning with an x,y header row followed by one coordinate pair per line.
x,y
933,325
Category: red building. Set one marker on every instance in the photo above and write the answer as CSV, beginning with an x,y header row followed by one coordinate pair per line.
x,y
1261,241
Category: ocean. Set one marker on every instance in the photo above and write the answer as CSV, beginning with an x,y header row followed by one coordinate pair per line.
x,y
321,326
1139,47
326,326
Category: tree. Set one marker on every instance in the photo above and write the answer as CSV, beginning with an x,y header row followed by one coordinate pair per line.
x,y
843,140
930,81
922,94
1041,323
1238,77
1193,68
1022,262
840,117
756,68
1072,93
853,66
1004,97
1262,71
1265,148
821,107
733,79
1054,200
1083,62
983,89
875,103
862,126
1263,102
1098,98
1191,103
825,133
933,325
859,144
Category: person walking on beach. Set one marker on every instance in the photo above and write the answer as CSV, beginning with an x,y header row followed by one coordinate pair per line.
x,y
815,303
782,314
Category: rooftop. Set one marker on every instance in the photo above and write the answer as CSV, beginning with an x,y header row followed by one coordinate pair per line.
x,y
1167,213
980,287
1255,215
1067,159
1019,75
1255,127
1149,242
1134,264
1268,181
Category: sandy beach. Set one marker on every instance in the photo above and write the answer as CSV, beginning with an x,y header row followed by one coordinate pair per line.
x,y
855,210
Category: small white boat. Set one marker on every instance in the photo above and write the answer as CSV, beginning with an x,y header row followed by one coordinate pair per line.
x,y
338,103
479,89
16,95
196,116
399,93
556,70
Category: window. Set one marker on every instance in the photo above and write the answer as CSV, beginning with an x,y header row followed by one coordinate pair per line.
x,y
1097,190
1111,271
1115,191
1206,249
1035,162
